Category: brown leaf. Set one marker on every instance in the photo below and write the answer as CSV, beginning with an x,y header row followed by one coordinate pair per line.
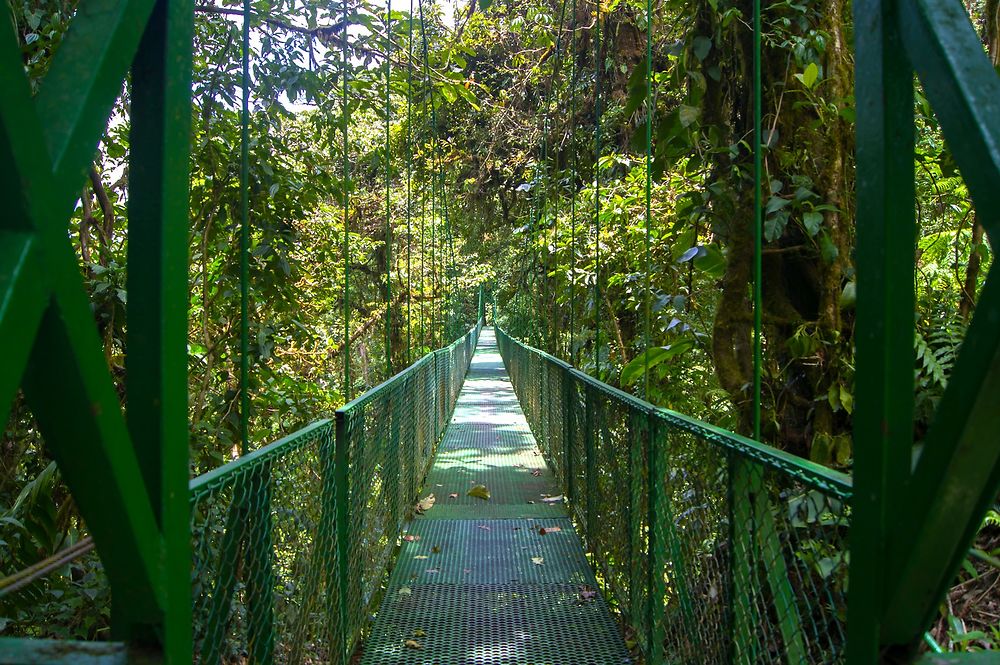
x,y
410,538
425,504
413,644
435,550
548,529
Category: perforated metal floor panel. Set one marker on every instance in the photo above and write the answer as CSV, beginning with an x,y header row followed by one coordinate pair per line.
x,y
477,581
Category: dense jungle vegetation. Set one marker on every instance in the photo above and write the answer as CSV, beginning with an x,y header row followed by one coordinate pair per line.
x,y
510,133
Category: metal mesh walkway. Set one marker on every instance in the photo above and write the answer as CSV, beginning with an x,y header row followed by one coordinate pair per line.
x,y
492,581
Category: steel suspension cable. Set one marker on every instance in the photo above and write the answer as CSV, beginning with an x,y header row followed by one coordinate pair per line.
x,y
434,148
572,201
597,193
245,235
388,188
758,243
345,111
650,109
556,69
409,187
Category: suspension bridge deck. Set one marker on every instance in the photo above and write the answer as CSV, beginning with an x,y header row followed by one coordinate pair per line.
x,y
497,580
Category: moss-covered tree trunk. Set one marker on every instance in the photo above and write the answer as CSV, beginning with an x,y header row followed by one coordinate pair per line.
x,y
807,387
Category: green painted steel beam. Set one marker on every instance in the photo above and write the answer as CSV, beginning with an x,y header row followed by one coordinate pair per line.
x,y
22,302
964,91
156,362
131,487
84,80
20,651
883,420
70,393
980,658
955,480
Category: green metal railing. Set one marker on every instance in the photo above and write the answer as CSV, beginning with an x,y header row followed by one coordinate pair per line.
x,y
264,554
291,542
713,547
385,443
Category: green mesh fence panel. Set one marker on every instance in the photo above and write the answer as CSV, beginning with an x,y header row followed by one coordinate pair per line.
x,y
385,441
715,548
265,586
269,528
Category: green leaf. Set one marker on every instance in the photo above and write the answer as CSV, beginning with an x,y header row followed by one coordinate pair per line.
x,y
828,250
846,399
775,203
849,296
775,225
651,358
711,262
812,221
809,76
702,47
688,114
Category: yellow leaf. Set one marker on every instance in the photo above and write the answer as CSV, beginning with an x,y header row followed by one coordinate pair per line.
x,y
537,560
413,644
480,492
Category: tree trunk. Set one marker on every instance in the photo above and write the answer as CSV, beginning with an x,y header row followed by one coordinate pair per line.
x,y
802,288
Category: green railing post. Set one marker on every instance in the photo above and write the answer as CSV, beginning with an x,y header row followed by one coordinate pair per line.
x,y
569,398
227,564
655,516
776,571
638,441
743,563
259,570
341,464
591,467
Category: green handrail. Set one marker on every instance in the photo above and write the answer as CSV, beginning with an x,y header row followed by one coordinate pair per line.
x,y
714,547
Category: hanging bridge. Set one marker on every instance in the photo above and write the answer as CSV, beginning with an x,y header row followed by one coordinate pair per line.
x,y
490,503
513,506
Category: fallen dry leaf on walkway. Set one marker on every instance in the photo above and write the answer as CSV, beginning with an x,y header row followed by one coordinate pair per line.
x,y
548,529
405,591
435,550
413,644
536,473
480,492
419,633
552,499
425,504
410,538
453,495
537,560
483,527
